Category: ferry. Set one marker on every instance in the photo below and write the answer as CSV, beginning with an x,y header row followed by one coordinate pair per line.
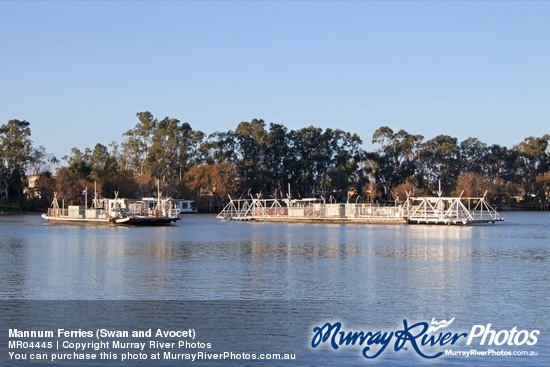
x,y
416,210
115,211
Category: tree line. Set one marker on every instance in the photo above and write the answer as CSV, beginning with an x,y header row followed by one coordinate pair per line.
x,y
271,160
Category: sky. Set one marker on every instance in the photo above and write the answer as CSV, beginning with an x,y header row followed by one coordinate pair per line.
x,y
80,71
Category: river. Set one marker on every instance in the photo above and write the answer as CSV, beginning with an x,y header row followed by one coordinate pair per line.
x,y
266,286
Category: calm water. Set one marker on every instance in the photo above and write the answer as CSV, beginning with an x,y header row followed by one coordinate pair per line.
x,y
372,275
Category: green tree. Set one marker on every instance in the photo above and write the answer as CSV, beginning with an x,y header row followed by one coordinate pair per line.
x,y
395,162
163,161
138,142
217,148
41,162
277,155
499,162
485,169
439,160
250,140
344,172
15,155
173,150
103,164
532,162
308,165
80,166
75,177
473,154
161,150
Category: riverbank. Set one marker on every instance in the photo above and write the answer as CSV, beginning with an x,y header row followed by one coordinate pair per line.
x,y
8,209
525,207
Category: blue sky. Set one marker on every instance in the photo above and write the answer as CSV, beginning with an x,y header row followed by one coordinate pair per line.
x,y
80,71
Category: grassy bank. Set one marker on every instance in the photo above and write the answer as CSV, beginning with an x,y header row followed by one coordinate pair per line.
x,y
9,209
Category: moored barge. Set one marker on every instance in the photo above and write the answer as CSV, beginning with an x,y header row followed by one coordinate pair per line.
x,y
416,210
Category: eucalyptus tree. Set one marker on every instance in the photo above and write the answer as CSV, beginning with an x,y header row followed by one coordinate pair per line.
x,y
324,162
163,158
72,179
533,163
105,171
309,166
162,150
103,164
250,138
42,162
189,153
439,159
173,151
345,171
138,142
487,169
277,157
218,147
395,161
500,165
473,155
80,163
544,182
15,155
500,162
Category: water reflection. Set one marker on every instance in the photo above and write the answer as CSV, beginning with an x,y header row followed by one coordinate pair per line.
x,y
428,252
208,260
363,275
9,257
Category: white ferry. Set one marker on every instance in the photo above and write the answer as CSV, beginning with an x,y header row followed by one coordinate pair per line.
x,y
182,206
115,211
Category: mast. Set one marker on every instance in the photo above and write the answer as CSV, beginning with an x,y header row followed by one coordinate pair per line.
x,y
95,202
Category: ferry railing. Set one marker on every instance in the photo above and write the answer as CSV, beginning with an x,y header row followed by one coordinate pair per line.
x,y
375,211
236,209
243,209
56,212
451,209
425,209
